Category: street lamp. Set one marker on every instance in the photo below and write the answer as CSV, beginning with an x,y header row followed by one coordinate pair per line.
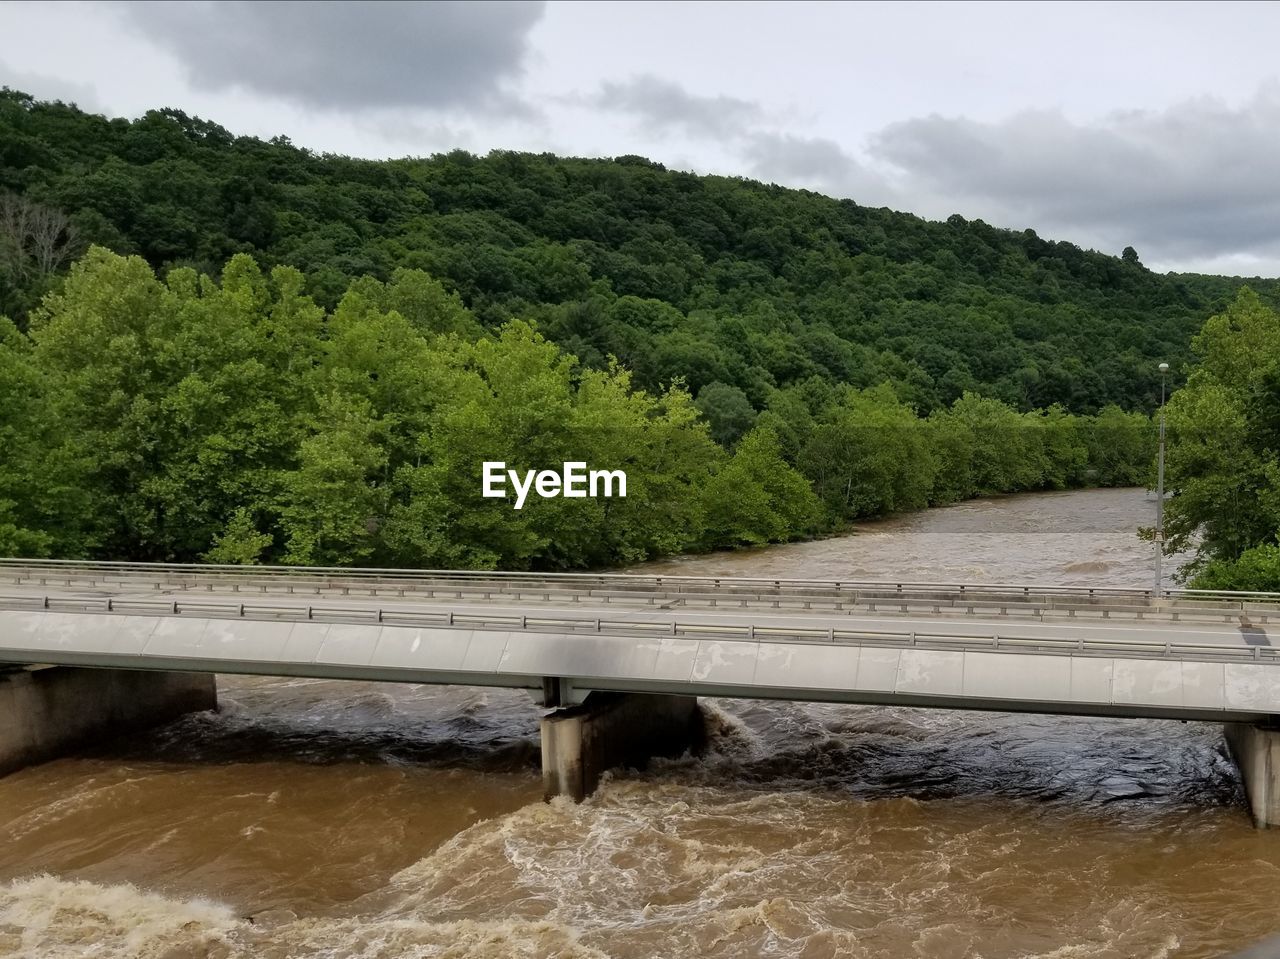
x,y
1164,370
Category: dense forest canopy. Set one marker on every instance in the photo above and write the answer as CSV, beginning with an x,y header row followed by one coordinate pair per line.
x,y
734,287
239,421
234,350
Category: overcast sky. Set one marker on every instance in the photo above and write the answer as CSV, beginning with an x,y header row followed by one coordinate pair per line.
x,y
1155,125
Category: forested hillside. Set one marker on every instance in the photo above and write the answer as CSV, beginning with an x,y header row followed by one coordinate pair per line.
x,y
735,287
234,350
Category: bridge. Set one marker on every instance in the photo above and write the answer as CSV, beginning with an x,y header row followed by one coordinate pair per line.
x,y
619,660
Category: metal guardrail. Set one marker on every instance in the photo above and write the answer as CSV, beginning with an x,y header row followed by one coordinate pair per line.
x,y
606,588
177,573
753,632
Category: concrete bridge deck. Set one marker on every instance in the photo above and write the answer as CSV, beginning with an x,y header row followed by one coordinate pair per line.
x,y
1139,667
1206,658
614,589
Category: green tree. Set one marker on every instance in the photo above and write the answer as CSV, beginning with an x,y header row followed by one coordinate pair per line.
x,y
1221,464
728,411
757,498
869,455
240,543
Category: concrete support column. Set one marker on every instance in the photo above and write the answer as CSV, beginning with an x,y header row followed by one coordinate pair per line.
x,y
47,711
1256,751
610,730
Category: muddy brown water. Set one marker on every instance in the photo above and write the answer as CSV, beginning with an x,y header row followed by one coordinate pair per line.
x,y
329,819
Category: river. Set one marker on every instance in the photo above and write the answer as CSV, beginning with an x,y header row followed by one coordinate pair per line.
x,y
329,819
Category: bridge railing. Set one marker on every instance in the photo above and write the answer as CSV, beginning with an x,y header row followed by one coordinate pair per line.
x,y
74,572
1082,644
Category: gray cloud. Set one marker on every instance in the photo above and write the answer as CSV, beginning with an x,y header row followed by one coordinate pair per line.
x,y
816,163
662,107
1196,181
744,128
349,56
44,87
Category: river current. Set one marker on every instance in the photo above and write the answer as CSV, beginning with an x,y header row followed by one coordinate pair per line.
x,y
340,820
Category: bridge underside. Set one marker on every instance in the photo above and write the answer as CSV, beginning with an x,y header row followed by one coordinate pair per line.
x,y
46,712
1006,679
644,687
608,730
1256,752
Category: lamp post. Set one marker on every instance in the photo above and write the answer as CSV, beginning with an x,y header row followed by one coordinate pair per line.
x,y
1164,369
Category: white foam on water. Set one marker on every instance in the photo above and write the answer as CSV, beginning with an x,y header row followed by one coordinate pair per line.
x,y
48,918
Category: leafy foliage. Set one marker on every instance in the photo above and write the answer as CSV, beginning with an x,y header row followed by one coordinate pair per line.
x,y
240,422
713,281
277,356
1224,454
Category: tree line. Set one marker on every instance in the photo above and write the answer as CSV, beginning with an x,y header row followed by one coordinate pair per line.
x,y
238,420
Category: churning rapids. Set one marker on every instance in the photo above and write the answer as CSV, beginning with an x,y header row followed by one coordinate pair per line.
x,y
328,819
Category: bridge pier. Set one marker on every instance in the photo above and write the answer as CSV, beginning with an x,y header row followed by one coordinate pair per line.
x,y
613,729
1256,751
46,711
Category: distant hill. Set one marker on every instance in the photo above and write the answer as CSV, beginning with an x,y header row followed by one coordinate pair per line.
x,y
711,279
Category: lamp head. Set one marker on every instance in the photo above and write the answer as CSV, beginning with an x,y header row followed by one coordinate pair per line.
x,y
1164,367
